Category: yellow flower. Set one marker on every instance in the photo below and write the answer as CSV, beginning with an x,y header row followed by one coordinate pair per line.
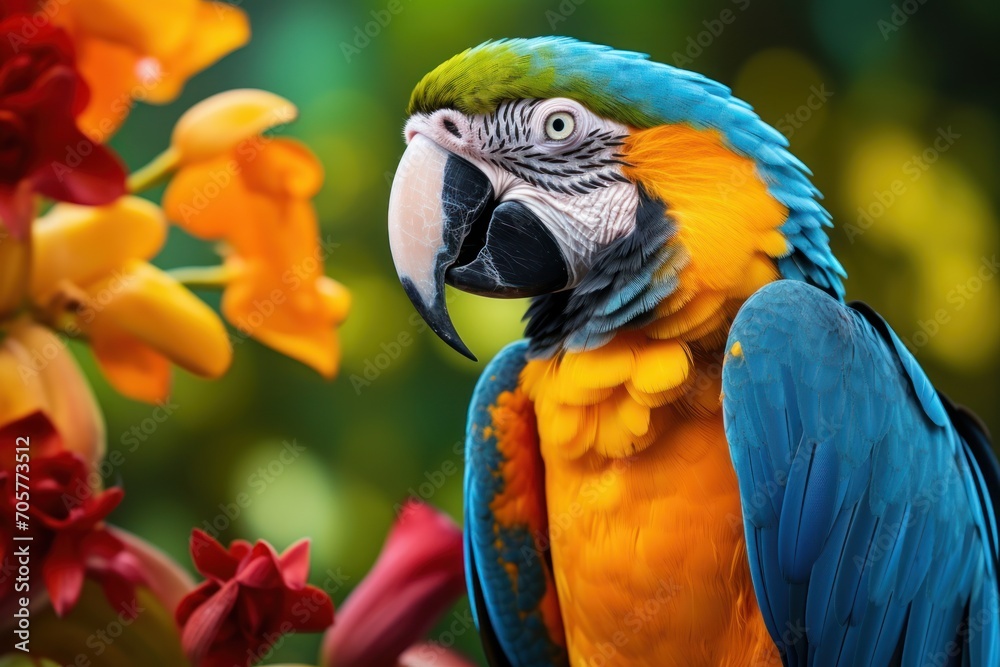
x,y
90,277
146,51
38,374
256,198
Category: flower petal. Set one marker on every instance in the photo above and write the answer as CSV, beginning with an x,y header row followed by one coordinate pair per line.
x,y
219,29
69,166
17,207
261,569
148,305
194,599
310,609
156,28
165,578
133,368
81,244
41,434
265,608
285,168
109,68
432,655
202,626
418,576
222,122
39,374
294,564
129,51
210,558
63,573
209,201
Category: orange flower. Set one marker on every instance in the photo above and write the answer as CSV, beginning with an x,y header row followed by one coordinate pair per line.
x,y
90,277
130,50
254,194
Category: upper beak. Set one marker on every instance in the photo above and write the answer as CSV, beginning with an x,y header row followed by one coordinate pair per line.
x,y
444,226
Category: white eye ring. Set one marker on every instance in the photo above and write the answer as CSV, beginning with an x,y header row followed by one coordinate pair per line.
x,y
560,125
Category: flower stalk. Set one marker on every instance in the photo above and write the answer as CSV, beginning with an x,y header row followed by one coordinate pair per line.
x,y
156,172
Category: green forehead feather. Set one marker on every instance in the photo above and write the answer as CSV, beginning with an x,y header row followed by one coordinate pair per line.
x,y
477,80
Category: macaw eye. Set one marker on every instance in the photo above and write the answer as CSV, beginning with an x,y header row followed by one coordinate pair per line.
x,y
560,125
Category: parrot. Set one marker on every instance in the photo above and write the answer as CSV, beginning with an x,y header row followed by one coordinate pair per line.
x,y
699,454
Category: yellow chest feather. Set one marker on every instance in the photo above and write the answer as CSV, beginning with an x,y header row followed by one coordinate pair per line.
x,y
644,513
643,504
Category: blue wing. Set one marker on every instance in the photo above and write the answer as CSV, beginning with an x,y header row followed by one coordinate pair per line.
x,y
508,566
869,502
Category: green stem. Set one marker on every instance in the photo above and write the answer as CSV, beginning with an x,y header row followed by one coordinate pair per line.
x,y
202,277
155,172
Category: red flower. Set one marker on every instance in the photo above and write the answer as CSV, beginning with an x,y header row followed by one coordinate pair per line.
x,y
41,148
431,655
65,519
418,576
8,7
252,597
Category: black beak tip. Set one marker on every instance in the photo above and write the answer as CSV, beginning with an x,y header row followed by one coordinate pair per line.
x,y
436,317
456,344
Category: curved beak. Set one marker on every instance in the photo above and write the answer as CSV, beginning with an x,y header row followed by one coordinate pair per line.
x,y
444,226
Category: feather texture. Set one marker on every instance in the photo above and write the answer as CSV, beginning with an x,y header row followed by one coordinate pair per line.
x,y
510,578
879,534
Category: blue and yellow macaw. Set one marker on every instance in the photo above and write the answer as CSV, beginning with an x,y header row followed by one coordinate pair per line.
x,y
831,508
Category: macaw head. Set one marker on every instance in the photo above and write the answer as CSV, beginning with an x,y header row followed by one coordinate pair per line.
x,y
615,190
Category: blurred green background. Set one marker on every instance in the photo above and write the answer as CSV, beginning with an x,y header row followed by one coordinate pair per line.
x,y
858,90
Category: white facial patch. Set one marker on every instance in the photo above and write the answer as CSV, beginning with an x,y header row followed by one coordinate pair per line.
x,y
554,156
582,224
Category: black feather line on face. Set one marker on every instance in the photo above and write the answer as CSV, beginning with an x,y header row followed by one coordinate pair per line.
x,y
607,300
582,167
